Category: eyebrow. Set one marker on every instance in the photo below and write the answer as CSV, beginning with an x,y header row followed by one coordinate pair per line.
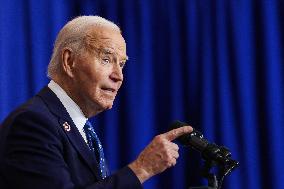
x,y
111,52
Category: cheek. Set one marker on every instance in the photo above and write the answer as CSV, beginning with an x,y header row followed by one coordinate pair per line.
x,y
87,86
88,78
93,90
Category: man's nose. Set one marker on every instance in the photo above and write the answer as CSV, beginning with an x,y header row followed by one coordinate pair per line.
x,y
116,74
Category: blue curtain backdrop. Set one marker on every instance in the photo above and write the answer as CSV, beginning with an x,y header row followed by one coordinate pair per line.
x,y
215,64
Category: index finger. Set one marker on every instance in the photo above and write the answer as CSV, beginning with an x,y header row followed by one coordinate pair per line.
x,y
175,133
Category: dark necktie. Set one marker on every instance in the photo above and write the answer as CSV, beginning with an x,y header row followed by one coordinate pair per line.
x,y
95,146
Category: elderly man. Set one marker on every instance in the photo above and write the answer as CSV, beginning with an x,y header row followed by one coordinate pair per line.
x,y
48,142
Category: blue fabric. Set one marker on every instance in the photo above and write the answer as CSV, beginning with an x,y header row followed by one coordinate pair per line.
x,y
96,147
215,64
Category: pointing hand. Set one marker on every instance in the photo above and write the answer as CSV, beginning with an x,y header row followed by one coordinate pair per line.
x,y
159,155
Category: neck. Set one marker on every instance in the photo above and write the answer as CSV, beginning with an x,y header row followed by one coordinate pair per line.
x,y
89,109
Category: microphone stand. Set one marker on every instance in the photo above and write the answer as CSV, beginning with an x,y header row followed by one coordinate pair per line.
x,y
215,181
211,177
213,155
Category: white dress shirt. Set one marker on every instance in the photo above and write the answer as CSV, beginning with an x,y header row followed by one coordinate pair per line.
x,y
72,108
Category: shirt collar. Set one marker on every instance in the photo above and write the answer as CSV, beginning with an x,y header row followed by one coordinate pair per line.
x,y
71,107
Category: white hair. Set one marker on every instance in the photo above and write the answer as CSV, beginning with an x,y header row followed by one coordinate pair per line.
x,y
72,35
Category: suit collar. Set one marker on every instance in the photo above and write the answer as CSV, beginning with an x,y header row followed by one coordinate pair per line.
x,y
70,129
71,107
54,104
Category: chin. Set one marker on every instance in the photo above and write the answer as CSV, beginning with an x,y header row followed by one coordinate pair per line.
x,y
102,102
107,105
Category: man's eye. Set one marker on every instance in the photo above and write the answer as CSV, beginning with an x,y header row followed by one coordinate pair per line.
x,y
106,60
122,64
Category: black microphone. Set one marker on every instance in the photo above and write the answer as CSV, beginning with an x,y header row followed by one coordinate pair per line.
x,y
209,151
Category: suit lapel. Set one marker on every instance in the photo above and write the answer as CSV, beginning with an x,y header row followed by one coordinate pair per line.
x,y
80,145
69,128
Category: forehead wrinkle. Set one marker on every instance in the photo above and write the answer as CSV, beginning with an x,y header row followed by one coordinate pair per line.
x,y
96,40
95,35
91,41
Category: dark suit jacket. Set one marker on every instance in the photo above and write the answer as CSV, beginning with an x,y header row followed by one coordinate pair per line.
x,y
36,152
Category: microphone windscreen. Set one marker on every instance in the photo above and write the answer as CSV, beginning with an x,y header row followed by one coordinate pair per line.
x,y
194,139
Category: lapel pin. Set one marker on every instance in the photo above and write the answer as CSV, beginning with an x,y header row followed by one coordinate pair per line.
x,y
66,126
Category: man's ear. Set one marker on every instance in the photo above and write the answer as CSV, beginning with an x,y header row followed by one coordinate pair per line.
x,y
68,61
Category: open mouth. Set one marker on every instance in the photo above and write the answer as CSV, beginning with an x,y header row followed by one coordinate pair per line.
x,y
108,89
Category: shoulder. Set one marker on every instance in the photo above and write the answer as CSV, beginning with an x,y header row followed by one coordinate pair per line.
x,y
34,108
30,119
31,129
37,110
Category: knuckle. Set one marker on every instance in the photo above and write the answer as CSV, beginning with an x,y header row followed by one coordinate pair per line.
x,y
169,152
176,146
164,151
177,155
163,143
158,138
169,159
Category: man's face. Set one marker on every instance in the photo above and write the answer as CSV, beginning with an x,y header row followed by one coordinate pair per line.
x,y
98,69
